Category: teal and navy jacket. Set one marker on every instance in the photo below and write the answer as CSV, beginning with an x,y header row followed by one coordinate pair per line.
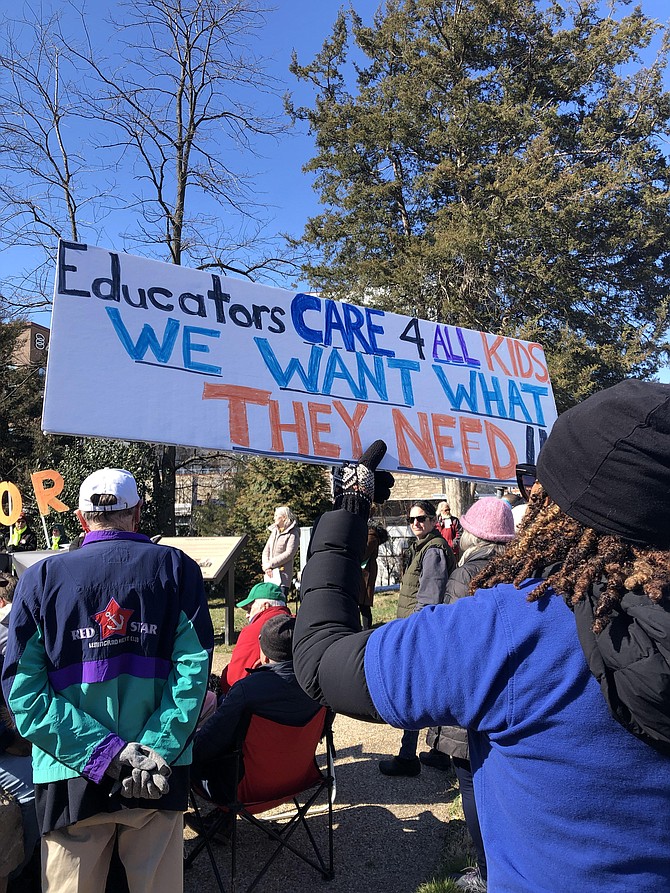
x,y
108,644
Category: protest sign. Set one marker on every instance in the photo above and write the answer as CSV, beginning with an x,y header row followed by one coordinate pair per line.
x,y
142,350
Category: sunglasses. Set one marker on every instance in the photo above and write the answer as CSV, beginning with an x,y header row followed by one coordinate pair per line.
x,y
417,519
526,476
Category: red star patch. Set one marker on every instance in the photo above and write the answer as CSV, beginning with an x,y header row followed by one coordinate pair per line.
x,y
113,621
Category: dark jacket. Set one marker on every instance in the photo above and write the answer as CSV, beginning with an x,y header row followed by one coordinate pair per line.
x,y
425,580
27,542
120,636
270,691
328,652
247,649
458,584
631,661
7,731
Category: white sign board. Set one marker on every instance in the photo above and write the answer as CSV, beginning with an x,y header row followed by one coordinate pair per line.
x,y
142,350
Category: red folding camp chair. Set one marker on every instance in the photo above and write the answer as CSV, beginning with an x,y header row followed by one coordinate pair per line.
x,y
275,764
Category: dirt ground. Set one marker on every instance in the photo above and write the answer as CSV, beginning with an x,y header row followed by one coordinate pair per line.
x,y
389,832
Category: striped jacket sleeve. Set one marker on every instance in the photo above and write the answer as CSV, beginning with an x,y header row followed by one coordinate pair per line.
x,y
171,727
41,714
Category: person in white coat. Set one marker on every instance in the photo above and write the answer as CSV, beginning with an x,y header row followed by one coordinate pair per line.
x,y
281,548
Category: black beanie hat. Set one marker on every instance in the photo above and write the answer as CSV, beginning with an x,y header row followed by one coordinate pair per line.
x,y
276,638
606,462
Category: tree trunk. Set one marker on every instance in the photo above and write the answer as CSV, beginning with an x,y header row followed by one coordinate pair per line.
x,y
459,494
164,489
194,501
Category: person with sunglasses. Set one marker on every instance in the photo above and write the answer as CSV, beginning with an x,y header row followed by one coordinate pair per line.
x,y
526,478
558,665
424,582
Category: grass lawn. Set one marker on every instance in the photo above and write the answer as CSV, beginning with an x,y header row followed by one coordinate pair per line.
x,y
457,849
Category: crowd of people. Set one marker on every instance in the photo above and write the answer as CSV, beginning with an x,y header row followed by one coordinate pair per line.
x,y
532,650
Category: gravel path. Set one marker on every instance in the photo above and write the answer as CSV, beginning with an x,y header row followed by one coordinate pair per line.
x,y
389,832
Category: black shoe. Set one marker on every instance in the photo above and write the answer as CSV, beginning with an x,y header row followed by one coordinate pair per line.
x,y
399,766
436,759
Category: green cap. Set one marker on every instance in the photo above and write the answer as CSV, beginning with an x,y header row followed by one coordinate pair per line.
x,y
268,591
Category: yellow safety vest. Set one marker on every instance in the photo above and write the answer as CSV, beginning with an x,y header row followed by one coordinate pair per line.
x,y
15,538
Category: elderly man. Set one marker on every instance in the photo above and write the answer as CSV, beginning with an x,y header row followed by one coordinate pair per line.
x,y
106,669
265,600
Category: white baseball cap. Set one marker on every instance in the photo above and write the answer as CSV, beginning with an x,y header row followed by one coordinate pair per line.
x,y
113,481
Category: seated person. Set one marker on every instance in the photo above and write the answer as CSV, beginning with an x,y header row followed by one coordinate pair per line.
x,y
265,600
270,691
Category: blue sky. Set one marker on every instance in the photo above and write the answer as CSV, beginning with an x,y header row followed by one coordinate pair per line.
x,y
300,25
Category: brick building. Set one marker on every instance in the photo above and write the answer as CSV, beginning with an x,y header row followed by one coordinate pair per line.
x,y
32,346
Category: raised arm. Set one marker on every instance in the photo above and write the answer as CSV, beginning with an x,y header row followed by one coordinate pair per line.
x,y
328,644
420,671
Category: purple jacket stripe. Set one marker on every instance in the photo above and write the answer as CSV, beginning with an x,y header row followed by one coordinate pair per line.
x,y
102,756
102,670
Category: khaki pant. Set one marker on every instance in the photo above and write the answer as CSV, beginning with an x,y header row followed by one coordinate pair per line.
x,y
151,846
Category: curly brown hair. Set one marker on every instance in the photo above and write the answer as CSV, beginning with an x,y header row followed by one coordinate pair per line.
x,y
572,557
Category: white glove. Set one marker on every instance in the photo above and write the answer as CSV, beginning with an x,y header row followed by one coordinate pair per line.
x,y
144,771
144,784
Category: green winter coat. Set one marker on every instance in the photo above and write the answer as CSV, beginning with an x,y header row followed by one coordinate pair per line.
x,y
409,585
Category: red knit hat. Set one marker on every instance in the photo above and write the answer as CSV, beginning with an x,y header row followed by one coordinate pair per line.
x,y
490,519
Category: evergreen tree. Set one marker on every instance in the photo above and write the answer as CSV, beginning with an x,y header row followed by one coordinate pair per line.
x,y
498,164
24,450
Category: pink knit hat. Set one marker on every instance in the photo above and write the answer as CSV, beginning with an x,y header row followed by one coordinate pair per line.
x,y
490,519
